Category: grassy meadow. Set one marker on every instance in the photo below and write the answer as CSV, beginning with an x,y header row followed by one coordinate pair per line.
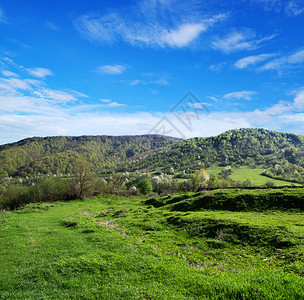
x,y
243,173
127,248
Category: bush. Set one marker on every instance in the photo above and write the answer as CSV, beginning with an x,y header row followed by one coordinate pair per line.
x,y
14,197
144,186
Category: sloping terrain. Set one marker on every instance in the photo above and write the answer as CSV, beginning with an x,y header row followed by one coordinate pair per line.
x,y
122,248
280,155
57,154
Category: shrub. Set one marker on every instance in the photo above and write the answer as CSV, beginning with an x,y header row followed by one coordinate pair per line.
x,y
14,197
144,186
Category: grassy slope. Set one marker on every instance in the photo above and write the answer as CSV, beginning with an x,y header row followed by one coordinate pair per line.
x,y
243,173
118,248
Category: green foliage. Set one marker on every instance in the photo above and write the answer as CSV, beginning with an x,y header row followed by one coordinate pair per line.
x,y
59,154
254,148
199,179
46,189
144,186
14,196
235,200
120,248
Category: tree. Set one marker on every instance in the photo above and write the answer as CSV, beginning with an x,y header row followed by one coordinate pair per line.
x,y
144,186
199,179
85,179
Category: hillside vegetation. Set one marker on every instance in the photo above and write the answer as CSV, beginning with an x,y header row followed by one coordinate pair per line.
x,y
122,248
57,154
279,155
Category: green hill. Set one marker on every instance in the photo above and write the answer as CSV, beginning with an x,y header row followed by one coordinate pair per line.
x,y
277,154
57,154
280,153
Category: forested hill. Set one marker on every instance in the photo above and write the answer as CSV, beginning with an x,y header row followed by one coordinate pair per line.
x,y
280,153
57,154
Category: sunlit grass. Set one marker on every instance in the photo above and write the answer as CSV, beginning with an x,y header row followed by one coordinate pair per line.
x,y
121,248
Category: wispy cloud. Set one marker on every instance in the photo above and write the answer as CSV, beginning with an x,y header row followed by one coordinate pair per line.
x,y
217,67
111,69
184,35
240,40
51,25
56,96
110,103
290,61
7,73
252,60
43,119
2,17
145,82
295,7
13,85
291,7
245,95
154,23
39,72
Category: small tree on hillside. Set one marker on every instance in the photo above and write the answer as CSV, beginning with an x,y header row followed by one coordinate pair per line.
x,y
144,186
199,179
85,179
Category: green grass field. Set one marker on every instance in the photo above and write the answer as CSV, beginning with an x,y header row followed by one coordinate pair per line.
x,y
243,173
122,248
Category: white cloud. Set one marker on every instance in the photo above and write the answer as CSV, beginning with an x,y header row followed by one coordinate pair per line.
x,y
252,60
246,95
294,60
110,103
291,7
149,23
116,104
217,67
7,73
2,18
145,82
39,72
51,25
298,102
215,99
135,82
184,35
238,41
112,70
295,8
56,96
159,81
13,85
269,5
45,119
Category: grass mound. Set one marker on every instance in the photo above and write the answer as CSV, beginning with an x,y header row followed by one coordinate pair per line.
x,y
234,200
120,248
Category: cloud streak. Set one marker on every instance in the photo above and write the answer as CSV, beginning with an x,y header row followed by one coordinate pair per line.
x,y
252,60
111,69
39,72
292,8
2,17
239,41
290,61
149,23
243,95
110,103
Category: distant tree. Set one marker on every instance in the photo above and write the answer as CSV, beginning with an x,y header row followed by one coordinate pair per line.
x,y
199,179
84,177
248,183
144,186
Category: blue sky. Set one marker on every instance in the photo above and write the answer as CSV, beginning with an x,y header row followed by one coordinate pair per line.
x,y
124,67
